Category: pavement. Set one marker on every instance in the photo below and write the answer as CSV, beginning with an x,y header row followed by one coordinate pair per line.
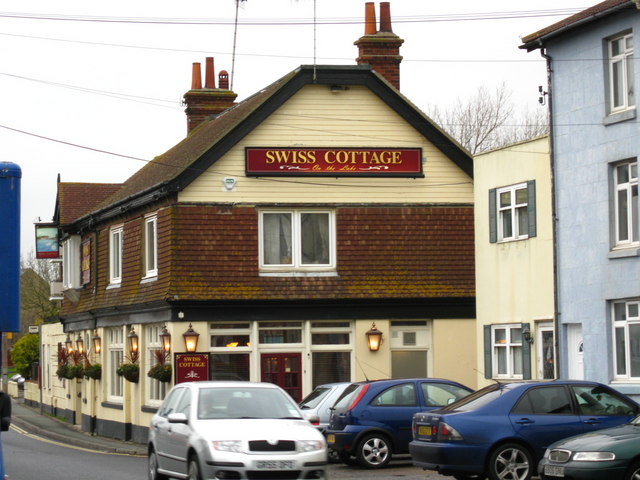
x,y
32,421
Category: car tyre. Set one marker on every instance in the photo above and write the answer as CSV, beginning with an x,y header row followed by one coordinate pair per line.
x,y
345,458
510,461
152,464
469,477
634,472
374,451
193,472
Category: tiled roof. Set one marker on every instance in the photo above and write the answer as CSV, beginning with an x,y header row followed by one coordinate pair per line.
x,y
531,42
77,199
175,169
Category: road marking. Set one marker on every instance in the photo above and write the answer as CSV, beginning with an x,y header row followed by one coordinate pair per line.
x,y
53,442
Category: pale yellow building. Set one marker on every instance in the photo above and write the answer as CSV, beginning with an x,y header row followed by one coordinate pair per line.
x,y
514,262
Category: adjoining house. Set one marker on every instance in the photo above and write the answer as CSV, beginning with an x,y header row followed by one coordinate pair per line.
x,y
593,80
320,230
514,262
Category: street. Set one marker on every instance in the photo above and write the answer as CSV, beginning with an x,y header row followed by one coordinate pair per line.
x,y
30,457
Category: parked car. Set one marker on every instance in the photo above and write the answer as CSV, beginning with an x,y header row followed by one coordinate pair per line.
x,y
233,430
371,420
608,453
502,430
320,401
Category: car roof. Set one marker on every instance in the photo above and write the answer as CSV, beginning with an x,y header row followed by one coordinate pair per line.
x,y
228,384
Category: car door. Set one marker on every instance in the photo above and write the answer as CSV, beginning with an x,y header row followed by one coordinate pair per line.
x,y
602,407
178,435
162,429
393,410
543,415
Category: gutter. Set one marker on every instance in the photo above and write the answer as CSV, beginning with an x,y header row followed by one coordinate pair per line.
x,y
554,216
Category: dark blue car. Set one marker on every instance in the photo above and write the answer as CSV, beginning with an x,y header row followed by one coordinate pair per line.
x,y
371,420
502,431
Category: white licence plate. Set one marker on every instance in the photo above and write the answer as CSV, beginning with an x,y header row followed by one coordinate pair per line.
x,y
275,464
554,471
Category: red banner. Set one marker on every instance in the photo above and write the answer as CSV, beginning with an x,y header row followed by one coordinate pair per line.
x,y
334,162
191,367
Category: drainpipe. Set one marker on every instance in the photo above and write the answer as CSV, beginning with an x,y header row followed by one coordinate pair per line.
x,y
554,217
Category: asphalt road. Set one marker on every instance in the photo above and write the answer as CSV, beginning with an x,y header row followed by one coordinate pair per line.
x,y
31,457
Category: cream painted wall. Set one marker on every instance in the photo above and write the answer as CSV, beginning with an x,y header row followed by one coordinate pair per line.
x,y
454,351
315,117
514,280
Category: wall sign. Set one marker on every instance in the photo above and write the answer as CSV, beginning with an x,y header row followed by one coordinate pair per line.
x,y
85,266
191,367
334,162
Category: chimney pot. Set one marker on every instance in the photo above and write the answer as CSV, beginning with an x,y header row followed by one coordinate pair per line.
x,y
223,80
196,77
369,18
209,81
385,17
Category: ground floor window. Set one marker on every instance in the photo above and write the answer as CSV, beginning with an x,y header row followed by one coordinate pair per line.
x,y
156,389
507,355
626,327
410,344
115,348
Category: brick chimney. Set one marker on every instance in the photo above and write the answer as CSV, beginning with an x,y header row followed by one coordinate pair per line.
x,y
380,48
203,103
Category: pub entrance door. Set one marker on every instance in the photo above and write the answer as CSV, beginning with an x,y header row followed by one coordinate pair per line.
x,y
283,369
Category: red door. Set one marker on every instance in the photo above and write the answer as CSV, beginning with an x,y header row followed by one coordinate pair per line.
x,y
284,370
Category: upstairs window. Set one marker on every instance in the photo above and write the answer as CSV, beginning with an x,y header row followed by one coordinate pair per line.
x,y
512,212
151,246
115,255
621,91
625,180
297,239
71,262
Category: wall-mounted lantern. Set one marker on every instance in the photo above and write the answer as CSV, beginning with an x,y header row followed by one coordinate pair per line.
x,y
190,339
80,343
165,339
68,343
97,342
133,341
374,338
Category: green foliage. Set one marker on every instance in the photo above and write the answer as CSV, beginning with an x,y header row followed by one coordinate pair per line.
x,y
130,371
24,352
161,372
93,370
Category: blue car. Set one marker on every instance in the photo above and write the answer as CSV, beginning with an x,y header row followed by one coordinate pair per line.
x,y
371,421
502,431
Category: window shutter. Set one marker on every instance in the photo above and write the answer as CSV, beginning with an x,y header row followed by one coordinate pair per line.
x,y
493,217
531,207
487,351
526,355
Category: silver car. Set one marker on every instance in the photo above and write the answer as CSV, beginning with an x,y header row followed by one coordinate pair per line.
x,y
233,430
320,401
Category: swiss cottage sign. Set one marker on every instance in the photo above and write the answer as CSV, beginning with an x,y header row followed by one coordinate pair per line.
x,y
334,162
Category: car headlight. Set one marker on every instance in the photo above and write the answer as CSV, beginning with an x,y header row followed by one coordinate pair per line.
x,y
594,456
228,445
311,445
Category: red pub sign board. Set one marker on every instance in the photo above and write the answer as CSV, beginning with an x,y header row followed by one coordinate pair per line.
x,y
334,162
192,367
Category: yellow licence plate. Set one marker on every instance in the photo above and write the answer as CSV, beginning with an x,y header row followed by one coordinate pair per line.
x,y
424,430
331,438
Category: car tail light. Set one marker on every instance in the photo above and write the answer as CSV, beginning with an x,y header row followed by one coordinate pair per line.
x,y
361,393
446,433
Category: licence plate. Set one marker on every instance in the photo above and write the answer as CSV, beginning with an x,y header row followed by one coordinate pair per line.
x,y
554,470
331,438
275,464
424,430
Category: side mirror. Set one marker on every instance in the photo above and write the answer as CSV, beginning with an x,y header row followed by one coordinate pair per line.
x,y
177,418
312,418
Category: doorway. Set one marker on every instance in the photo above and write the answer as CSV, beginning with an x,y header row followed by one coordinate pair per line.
x,y
546,354
284,370
575,348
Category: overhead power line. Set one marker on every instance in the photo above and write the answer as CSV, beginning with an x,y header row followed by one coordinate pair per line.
x,y
448,17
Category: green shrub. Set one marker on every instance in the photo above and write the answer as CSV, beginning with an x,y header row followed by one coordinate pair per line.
x,y
25,352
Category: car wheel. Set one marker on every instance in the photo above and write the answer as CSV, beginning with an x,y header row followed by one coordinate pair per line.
x,y
510,462
634,472
193,472
374,451
152,465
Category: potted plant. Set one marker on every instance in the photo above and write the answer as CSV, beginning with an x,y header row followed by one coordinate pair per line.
x,y
93,370
162,370
130,371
